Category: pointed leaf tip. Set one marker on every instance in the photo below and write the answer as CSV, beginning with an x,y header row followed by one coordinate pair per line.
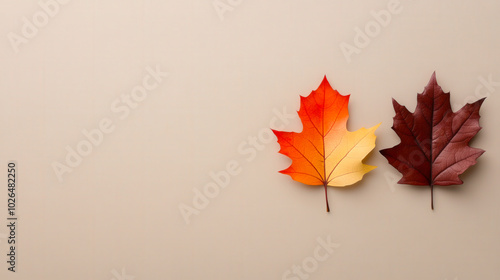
x,y
433,80
324,83
396,105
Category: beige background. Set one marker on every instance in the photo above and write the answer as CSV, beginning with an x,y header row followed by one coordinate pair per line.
x,y
119,209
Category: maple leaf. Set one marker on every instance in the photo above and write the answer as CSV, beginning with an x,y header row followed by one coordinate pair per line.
x,y
434,146
325,153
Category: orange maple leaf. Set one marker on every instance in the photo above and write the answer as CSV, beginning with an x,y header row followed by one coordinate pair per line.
x,y
325,153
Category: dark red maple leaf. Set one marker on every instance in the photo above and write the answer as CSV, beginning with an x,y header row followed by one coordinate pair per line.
x,y
434,146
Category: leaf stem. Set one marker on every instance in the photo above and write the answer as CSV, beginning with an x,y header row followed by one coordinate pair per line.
x,y
432,196
326,198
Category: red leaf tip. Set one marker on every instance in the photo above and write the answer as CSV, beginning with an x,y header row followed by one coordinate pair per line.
x,y
324,82
433,80
395,105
